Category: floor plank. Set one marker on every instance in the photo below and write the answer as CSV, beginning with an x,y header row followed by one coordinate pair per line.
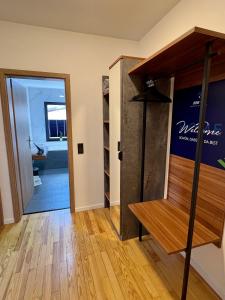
x,y
56,255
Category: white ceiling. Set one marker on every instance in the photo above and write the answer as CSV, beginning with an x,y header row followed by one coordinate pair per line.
x,y
128,19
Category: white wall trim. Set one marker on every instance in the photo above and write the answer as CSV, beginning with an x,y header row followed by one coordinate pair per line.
x,y
95,206
9,221
89,207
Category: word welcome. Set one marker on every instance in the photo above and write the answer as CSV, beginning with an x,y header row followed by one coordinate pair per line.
x,y
193,128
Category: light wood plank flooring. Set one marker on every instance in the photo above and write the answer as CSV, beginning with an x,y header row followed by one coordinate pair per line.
x,y
58,256
115,216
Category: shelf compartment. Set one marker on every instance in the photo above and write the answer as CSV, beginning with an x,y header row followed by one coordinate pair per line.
x,y
168,225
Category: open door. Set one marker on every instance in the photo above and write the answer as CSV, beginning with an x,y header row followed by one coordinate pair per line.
x,y
21,120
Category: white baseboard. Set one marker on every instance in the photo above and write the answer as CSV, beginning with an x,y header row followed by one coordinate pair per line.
x,y
206,277
114,203
89,207
9,221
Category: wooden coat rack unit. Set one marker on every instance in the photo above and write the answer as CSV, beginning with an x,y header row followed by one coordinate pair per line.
x,y
190,216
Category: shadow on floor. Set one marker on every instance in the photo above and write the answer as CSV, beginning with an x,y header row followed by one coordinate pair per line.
x,y
52,194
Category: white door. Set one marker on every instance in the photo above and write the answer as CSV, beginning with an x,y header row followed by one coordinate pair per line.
x,y
114,132
19,99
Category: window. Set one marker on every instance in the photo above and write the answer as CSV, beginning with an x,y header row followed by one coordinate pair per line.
x,y
55,121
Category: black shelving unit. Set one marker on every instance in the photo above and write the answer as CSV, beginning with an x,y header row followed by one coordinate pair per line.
x,y
105,93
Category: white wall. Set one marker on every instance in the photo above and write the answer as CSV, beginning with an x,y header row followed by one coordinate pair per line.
x,y
208,260
36,98
185,15
86,58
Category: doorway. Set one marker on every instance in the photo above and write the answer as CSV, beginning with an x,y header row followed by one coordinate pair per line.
x,y
38,117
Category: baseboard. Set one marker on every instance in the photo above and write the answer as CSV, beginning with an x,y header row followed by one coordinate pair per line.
x,y
89,207
204,277
9,221
114,203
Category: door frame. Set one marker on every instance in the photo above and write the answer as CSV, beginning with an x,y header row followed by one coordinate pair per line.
x,y
9,130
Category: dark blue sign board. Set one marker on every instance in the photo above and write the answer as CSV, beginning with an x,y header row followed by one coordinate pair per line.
x,y
185,124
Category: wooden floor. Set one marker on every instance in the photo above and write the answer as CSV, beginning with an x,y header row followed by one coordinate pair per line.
x,y
58,256
115,216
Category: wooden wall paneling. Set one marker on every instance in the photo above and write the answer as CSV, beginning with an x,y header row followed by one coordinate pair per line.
x,y
210,203
193,76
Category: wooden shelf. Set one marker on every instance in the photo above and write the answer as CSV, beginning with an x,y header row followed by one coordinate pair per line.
x,y
107,172
106,148
40,157
184,53
168,225
107,195
124,57
106,122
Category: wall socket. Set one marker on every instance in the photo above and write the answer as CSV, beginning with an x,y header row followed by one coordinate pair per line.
x,y
80,148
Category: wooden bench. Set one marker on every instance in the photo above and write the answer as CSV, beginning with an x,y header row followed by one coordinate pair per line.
x,y
167,219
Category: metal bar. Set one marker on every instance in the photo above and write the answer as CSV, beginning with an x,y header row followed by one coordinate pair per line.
x,y
198,156
142,162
